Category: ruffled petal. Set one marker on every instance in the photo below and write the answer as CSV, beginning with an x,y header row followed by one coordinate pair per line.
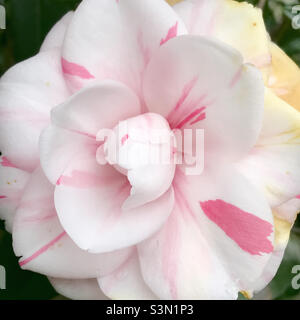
x,y
89,199
240,25
284,79
76,122
215,243
28,92
12,183
284,218
126,283
197,83
56,35
127,33
142,148
78,289
45,246
273,165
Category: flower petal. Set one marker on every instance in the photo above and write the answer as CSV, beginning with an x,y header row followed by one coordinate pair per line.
x,y
288,210
284,218
89,198
197,83
76,122
215,243
99,106
56,35
12,183
142,148
78,289
126,283
28,92
240,25
273,165
172,2
117,40
284,79
44,245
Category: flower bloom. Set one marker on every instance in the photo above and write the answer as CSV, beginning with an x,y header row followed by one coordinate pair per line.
x,y
127,229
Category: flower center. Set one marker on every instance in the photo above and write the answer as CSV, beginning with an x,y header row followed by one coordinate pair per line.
x,y
143,149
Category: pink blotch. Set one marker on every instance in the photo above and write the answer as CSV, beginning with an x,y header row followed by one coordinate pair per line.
x,y
298,197
3,197
6,163
172,33
42,250
79,179
74,69
124,139
248,231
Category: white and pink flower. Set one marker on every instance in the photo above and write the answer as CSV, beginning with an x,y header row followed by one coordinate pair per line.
x,y
128,230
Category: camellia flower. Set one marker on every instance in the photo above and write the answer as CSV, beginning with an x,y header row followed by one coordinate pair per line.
x,y
130,230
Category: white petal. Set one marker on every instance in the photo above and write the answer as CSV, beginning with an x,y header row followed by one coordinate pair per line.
x,y
216,242
12,183
117,40
196,83
89,198
126,283
238,24
56,35
78,289
44,245
273,165
28,91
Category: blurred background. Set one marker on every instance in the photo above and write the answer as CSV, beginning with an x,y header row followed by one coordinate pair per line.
x,y
28,22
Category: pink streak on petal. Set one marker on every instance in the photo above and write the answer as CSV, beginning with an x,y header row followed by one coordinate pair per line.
x,y
248,231
169,255
124,139
43,217
92,136
172,33
79,179
236,78
145,51
182,202
200,118
6,163
185,93
42,250
75,70
189,117
3,197
196,10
